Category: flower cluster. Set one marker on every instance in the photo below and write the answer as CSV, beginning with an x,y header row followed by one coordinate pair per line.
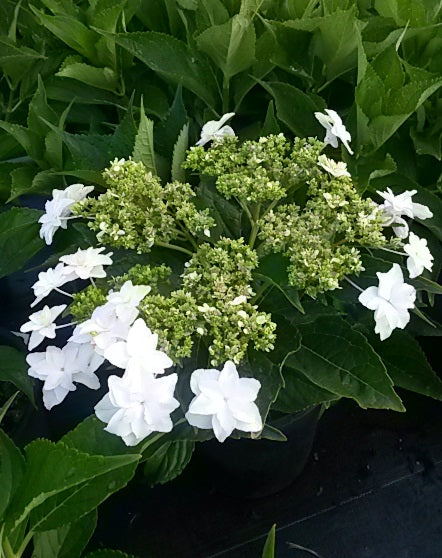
x,y
290,198
322,240
136,211
219,278
257,171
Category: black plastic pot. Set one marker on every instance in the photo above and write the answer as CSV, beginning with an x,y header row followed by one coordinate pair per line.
x,y
255,468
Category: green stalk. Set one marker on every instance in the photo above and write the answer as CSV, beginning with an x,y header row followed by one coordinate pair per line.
x,y
173,247
255,226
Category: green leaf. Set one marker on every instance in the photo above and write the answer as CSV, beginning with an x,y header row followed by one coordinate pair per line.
x,y
71,31
5,407
273,269
227,215
13,368
296,108
102,78
39,110
384,100
259,366
407,365
299,392
173,60
270,125
68,541
337,42
412,12
230,45
167,131
340,360
269,547
144,146
90,437
28,139
168,461
11,471
19,239
179,154
61,484
27,180
16,61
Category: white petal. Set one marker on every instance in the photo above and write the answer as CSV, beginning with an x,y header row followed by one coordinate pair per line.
x,y
370,298
117,354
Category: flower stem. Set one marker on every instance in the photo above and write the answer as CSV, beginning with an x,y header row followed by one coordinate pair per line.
x,y
226,95
255,226
354,284
63,292
394,252
173,247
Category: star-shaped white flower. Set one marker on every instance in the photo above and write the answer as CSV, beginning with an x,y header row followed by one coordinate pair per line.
x,y
41,324
137,405
102,330
224,401
126,300
391,301
395,208
215,129
58,209
336,169
139,353
60,368
335,129
419,256
87,263
74,193
50,280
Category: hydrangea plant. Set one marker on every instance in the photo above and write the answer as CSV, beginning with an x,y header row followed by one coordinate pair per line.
x,y
244,290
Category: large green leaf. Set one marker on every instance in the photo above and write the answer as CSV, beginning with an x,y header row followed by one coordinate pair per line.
x,y
407,365
296,108
68,541
227,215
71,31
299,392
340,360
19,239
61,484
388,93
230,45
11,471
102,78
13,368
173,60
168,461
273,270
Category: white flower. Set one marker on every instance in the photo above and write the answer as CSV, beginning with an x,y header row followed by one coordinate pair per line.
x,y
390,301
126,300
335,129
87,263
224,401
139,352
419,256
42,325
58,209
102,330
50,280
74,193
395,208
337,169
60,368
238,300
215,129
137,405
54,217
